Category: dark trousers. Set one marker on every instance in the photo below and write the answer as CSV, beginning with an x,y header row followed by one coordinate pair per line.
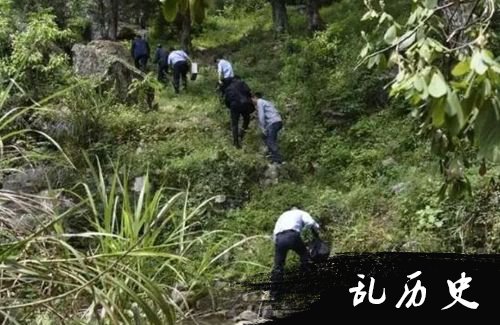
x,y
180,71
162,72
141,62
237,110
286,241
271,141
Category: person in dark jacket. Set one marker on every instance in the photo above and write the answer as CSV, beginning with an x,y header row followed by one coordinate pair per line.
x,y
179,61
140,52
238,98
161,58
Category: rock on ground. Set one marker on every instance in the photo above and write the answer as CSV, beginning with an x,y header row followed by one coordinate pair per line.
x,y
111,63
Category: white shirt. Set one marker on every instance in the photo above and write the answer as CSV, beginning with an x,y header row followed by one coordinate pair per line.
x,y
176,56
225,69
267,113
294,219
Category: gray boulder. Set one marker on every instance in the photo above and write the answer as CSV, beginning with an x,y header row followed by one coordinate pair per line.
x,y
111,63
30,180
247,315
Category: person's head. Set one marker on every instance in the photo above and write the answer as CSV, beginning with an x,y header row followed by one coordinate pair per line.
x,y
256,96
217,58
294,205
171,49
160,46
138,36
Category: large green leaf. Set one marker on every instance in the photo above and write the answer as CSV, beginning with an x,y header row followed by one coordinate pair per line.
x,y
438,112
461,68
419,83
390,35
453,108
487,131
456,117
437,87
170,9
408,39
477,63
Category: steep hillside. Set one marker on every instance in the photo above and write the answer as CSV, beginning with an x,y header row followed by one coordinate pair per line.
x,y
354,159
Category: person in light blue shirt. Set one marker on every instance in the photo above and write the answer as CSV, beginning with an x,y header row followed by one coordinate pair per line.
x,y
179,61
225,73
224,69
270,123
287,236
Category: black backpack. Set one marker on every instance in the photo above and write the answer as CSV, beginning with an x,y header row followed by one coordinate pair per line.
x,y
319,250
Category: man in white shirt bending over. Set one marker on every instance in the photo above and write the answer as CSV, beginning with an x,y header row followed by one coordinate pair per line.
x,y
178,60
224,68
225,72
287,237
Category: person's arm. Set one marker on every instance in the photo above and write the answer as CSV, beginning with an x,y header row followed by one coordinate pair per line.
x,y
310,223
132,48
219,72
157,56
262,117
187,57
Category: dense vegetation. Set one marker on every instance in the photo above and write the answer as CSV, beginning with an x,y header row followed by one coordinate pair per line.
x,y
122,249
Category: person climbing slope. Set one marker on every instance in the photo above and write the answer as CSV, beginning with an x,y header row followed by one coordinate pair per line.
x,y
270,123
179,61
225,71
161,58
140,52
287,236
237,97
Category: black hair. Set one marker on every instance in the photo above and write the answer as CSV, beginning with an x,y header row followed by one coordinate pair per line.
x,y
258,94
172,49
296,205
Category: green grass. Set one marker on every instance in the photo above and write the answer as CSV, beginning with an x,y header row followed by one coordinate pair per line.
x,y
232,29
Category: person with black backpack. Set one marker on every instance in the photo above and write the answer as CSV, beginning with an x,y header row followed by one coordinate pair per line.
x,y
237,97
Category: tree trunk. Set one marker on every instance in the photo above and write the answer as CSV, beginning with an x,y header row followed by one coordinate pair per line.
x,y
280,16
114,19
314,18
456,17
185,38
100,18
